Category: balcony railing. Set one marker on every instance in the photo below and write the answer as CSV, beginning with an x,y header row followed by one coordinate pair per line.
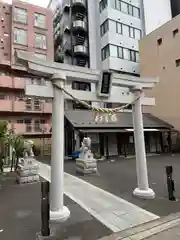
x,y
80,49
25,129
12,82
79,24
6,81
22,106
19,83
5,105
47,107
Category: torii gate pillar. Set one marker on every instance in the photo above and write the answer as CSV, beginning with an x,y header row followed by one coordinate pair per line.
x,y
58,212
143,190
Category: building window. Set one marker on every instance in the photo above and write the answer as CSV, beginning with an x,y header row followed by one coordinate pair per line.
x,y
20,121
126,8
20,15
3,96
126,54
105,52
134,56
27,121
20,97
37,104
102,5
178,63
40,41
130,10
28,104
20,36
40,55
104,27
120,52
136,12
119,27
137,57
125,29
175,32
137,34
39,20
108,105
37,125
118,5
83,86
131,32
43,121
113,50
159,41
113,3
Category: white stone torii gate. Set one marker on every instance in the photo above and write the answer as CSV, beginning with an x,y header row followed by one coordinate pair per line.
x,y
59,73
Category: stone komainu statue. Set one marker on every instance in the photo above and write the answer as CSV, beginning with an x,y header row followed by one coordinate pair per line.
x,y
85,145
28,148
86,164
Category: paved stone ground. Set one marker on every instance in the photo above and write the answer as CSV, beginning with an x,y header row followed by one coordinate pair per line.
x,y
119,178
20,215
114,212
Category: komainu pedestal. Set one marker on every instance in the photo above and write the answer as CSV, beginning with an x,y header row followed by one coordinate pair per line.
x,y
27,171
86,164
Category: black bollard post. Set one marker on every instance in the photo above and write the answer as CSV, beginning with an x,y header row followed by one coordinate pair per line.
x,y
170,183
45,231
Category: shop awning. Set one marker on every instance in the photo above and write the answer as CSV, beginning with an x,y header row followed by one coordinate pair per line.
x,y
84,119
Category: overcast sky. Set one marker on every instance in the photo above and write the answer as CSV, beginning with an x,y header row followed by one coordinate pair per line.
x,y
42,3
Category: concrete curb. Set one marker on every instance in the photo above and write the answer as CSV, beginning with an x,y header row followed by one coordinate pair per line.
x,y
147,229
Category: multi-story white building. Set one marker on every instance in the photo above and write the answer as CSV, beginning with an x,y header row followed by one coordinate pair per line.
x,y
120,28
105,34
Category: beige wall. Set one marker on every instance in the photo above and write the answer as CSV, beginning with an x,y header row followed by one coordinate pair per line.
x,y
159,61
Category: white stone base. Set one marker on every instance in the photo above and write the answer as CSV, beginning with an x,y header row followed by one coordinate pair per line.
x,y
84,166
145,194
60,216
27,179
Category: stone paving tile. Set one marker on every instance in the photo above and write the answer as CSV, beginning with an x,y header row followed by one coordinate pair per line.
x,y
101,204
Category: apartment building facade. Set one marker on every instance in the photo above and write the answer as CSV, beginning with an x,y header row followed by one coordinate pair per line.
x,y
28,28
160,57
106,32
110,31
